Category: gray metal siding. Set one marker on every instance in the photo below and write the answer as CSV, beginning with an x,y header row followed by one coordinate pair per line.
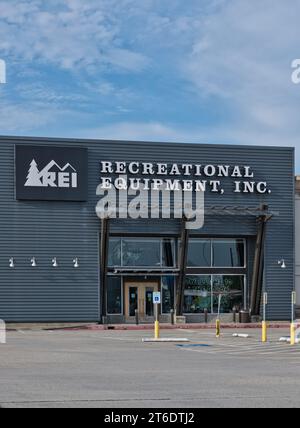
x,y
68,230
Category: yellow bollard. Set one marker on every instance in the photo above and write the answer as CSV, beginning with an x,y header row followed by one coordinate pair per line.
x,y
264,332
157,330
218,328
293,334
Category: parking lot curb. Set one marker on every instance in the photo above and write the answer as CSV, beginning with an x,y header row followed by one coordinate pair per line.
x,y
132,327
128,327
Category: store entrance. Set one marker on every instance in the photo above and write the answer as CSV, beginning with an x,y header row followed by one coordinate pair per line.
x,y
139,296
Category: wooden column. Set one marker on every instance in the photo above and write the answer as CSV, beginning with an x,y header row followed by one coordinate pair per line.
x,y
258,266
182,267
103,266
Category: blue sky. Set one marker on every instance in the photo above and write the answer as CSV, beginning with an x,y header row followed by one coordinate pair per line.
x,y
213,71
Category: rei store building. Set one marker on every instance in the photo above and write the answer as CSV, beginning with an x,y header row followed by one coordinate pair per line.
x,y
89,230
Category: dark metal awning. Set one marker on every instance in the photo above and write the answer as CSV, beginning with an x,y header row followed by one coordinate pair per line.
x,y
240,211
142,271
221,210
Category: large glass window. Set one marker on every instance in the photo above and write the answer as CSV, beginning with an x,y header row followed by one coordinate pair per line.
x,y
141,252
231,288
115,252
114,296
203,291
199,253
168,294
216,253
228,253
197,294
168,252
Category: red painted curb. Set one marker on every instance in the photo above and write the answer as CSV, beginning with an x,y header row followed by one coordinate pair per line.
x,y
125,327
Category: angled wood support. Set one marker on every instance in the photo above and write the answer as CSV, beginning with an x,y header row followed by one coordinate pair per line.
x,y
182,267
258,266
104,266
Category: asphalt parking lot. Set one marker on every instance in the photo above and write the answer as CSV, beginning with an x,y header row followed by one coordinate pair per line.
x,y
115,369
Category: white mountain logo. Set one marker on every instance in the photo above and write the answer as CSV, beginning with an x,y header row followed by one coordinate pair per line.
x,y
52,176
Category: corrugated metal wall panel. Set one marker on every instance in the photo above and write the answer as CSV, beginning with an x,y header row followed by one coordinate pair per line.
x,y
68,230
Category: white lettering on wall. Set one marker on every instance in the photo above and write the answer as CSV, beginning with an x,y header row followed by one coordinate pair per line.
x,y
160,171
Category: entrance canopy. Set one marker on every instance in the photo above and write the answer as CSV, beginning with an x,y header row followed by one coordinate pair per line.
x,y
240,211
213,210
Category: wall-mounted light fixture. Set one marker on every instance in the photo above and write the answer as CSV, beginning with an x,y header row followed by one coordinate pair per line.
x,y
33,262
282,263
11,262
55,262
76,263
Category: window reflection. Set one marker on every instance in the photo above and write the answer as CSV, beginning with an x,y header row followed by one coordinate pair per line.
x,y
168,294
199,253
202,292
133,300
231,289
202,253
141,252
114,296
197,294
228,253
114,253
168,253
223,253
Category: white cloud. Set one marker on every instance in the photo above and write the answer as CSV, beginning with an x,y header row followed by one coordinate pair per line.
x,y
157,131
39,92
14,118
68,33
152,131
241,58
231,55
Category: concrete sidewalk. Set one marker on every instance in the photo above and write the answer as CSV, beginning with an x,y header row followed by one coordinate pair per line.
x,y
133,327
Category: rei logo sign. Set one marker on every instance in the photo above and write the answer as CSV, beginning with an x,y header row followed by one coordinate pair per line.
x,y
51,173
52,176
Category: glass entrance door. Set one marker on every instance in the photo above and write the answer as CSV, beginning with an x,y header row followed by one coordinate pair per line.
x,y
139,296
149,307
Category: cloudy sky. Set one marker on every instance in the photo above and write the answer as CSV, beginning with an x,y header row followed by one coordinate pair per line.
x,y
216,71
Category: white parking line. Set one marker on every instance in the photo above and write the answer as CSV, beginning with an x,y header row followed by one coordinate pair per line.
x,y
272,350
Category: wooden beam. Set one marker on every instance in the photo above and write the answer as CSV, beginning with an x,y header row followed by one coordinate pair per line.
x,y
258,266
182,267
104,266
